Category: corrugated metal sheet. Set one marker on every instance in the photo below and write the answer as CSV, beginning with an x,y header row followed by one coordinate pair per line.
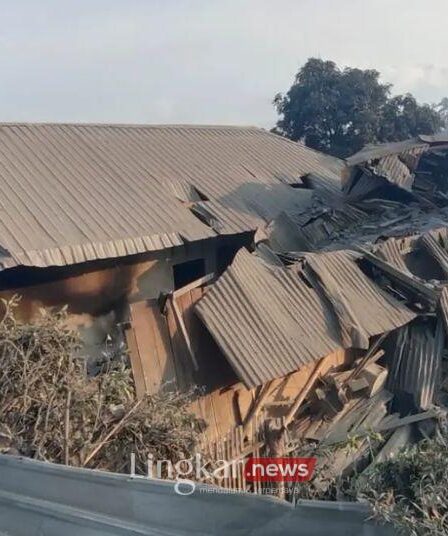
x,y
373,310
329,189
72,193
267,321
394,250
396,162
361,186
441,137
375,152
415,366
443,306
393,169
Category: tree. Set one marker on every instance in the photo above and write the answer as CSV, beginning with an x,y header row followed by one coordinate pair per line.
x,y
442,108
338,111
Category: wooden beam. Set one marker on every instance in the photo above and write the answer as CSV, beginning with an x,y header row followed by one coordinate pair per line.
x,y
372,355
304,392
194,284
265,391
430,414
136,364
184,331
408,281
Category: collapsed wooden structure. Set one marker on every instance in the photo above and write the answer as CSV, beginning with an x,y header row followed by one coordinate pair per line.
x,y
304,299
331,326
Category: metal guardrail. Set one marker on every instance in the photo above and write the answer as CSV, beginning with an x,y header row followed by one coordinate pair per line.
x,y
44,499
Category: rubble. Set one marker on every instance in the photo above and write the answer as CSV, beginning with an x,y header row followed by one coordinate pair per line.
x,y
394,243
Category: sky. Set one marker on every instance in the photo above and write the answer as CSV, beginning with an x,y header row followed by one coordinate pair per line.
x,y
203,61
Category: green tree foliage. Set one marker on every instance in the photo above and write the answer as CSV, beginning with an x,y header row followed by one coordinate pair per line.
x,y
338,111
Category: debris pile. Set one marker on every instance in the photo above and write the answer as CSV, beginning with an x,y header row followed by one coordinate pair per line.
x,y
51,410
364,270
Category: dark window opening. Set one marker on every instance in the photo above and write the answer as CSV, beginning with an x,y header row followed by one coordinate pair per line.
x,y
227,251
187,272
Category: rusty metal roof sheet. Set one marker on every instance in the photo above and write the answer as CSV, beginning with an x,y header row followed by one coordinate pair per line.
x,y
369,309
267,321
416,363
73,193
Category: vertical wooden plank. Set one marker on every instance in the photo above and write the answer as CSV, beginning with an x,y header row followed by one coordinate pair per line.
x,y
179,315
163,347
144,334
206,406
137,372
236,439
222,405
241,443
182,362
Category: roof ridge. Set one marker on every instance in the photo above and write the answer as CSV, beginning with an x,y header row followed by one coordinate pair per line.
x,y
130,125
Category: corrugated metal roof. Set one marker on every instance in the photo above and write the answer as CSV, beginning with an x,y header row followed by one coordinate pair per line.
x,y
266,320
375,152
396,166
394,250
72,193
393,169
415,366
441,137
360,303
443,306
396,161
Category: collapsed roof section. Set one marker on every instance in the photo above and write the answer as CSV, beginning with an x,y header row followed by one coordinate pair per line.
x,y
75,193
270,321
362,307
408,165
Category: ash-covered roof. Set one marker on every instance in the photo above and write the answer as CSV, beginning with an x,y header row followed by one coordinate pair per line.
x,y
269,321
71,193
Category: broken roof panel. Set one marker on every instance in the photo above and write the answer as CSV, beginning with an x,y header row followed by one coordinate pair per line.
x,y
395,162
360,304
394,250
441,137
375,152
73,193
416,362
267,321
393,169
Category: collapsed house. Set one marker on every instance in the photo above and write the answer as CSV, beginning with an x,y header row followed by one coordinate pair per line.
x,y
302,296
111,220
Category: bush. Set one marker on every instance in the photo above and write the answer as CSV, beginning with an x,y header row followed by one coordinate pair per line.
x,y
51,410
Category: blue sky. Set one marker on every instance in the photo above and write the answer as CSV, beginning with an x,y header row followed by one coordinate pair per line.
x,y
203,61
